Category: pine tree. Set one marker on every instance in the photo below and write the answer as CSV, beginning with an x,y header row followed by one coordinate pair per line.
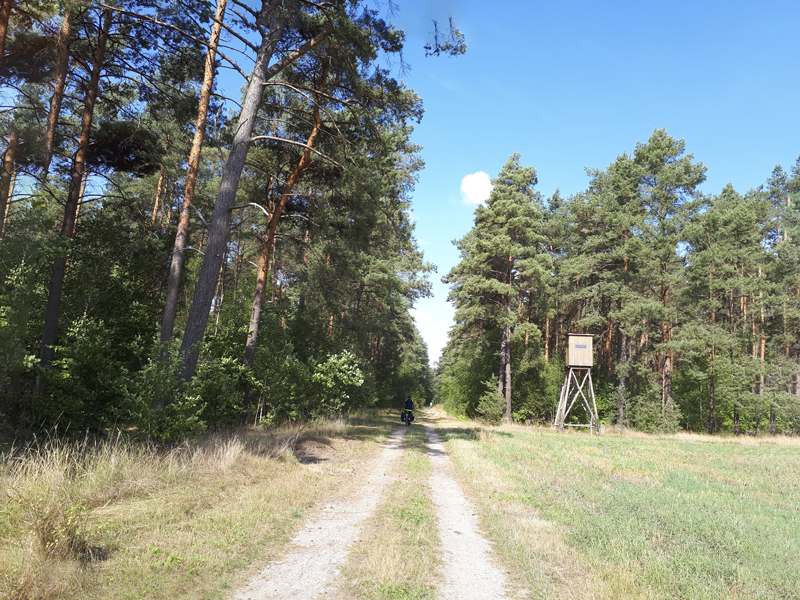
x,y
501,257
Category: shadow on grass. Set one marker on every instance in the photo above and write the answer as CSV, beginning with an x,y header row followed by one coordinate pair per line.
x,y
416,440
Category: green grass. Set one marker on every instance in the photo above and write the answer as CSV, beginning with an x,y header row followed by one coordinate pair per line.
x,y
645,517
398,556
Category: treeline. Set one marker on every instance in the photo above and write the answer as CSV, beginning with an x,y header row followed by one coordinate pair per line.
x,y
693,300
172,260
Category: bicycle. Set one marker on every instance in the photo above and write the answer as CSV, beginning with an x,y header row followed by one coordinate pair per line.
x,y
407,416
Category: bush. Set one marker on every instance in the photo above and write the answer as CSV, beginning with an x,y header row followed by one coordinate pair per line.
x,y
492,405
646,415
310,389
86,383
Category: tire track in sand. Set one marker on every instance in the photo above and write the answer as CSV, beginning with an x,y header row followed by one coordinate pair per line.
x,y
316,552
468,568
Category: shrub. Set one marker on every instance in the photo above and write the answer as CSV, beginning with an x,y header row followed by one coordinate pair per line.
x,y
310,389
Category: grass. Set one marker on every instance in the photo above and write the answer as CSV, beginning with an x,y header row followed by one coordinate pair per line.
x,y
635,516
117,519
398,557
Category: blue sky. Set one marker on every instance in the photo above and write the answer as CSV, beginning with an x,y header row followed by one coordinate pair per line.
x,y
571,85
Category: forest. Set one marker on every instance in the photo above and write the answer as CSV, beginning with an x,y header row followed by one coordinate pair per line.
x,y
180,253
205,221
692,299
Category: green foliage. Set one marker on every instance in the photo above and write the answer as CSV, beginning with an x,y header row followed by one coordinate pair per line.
x,y
492,405
648,415
311,389
86,385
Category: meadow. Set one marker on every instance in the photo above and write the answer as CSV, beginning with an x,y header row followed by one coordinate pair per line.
x,y
120,519
636,516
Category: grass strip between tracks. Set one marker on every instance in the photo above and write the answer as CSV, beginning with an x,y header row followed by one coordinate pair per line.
x,y
397,557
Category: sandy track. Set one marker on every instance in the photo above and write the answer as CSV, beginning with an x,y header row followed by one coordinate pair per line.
x,y
316,553
468,570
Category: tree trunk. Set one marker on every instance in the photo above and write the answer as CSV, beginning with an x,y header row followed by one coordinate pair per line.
x,y
4,216
736,427
5,13
73,197
547,340
502,371
507,360
666,369
218,230
272,227
711,392
159,189
773,422
763,346
59,85
624,355
9,159
179,248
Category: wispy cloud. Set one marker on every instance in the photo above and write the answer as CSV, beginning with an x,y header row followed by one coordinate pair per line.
x,y
475,188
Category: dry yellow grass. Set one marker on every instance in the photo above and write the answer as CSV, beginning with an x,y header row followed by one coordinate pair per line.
x,y
123,520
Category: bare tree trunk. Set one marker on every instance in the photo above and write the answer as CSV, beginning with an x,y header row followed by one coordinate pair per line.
x,y
179,248
9,159
622,380
547,340
666,364
507,360
502,371
73,196
59,85
272,227
5,13
763,347
159,189
218,230
711,392
773,422
80,195
4,216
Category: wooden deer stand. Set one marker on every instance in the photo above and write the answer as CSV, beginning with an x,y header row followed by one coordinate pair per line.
x,y
579,362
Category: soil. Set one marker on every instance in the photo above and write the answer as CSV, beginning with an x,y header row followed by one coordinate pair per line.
x,y
311,566
468,568
315,554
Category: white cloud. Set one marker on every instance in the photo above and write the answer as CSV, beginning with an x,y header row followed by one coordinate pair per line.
x,y
475,188
433,331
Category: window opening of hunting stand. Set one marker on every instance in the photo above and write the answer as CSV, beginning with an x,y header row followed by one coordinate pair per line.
x,y
578,388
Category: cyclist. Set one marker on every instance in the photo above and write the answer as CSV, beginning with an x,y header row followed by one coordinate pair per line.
x,y
408,411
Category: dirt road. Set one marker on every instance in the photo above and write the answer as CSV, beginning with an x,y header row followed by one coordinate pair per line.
x,y
311,567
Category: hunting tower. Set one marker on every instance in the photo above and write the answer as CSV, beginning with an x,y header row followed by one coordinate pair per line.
x,y
580,359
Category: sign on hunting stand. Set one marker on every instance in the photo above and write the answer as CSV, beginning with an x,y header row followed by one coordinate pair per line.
x,y
580,360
